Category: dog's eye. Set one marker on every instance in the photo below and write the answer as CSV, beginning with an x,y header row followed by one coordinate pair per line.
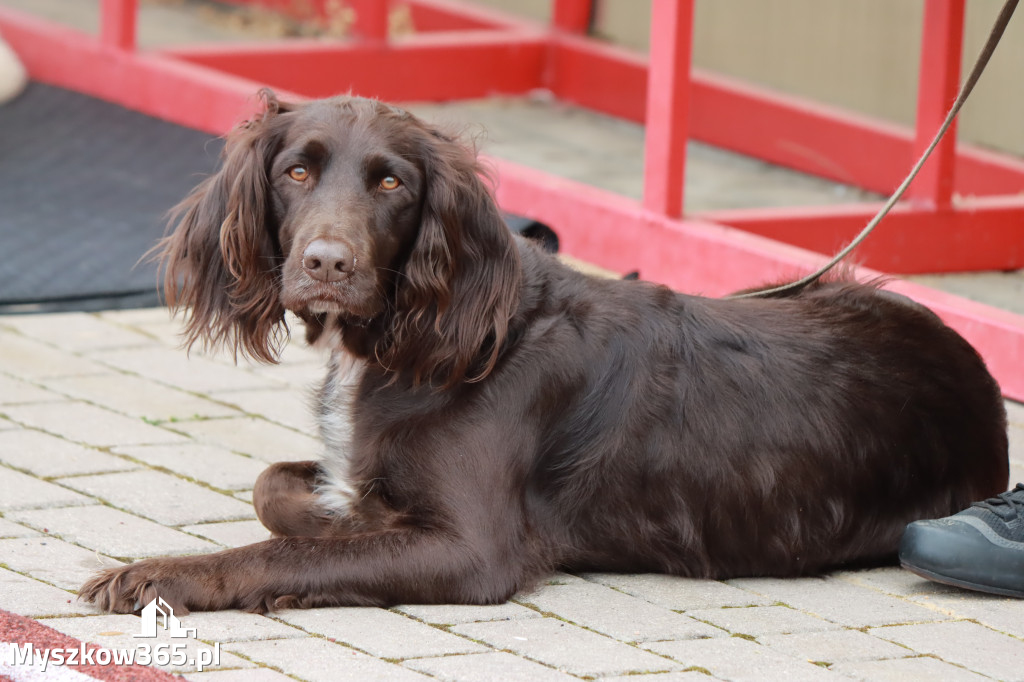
x,y
390,182
298,173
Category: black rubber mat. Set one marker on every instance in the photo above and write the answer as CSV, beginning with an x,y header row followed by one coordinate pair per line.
x,y
84,189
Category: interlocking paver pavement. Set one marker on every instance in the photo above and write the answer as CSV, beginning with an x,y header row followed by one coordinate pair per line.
x,y
230,533
610,612
53,561
832,647
317,660
159,477
381,633
17,392
164,498
566,647
839,601
46,456
21,491
967,644
85,423
28,596
93,404
9,529
118,632
208,464
255,437
738,658
111,531
907,670
136,397
495,665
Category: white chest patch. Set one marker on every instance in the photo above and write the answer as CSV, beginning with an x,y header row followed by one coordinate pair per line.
x,y
334,413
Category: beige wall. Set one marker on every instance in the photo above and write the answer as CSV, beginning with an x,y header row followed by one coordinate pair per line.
x,y
857,54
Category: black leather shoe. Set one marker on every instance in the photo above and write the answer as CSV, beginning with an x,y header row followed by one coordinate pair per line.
x,y
981,548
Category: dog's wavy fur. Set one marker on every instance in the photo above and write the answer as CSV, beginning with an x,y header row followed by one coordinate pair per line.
x,y
490,415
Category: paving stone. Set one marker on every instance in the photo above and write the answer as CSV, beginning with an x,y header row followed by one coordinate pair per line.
x,y
176,368
97,626
379,632
138,397
28,597
250,675
112,532
566,647
76,331
679,594
10,529
896,581
761,620
90,424
963,643
453,614
496,665
29,359
1017,466
834,647
296,350
735,658
143,318
48,456
237,626
907,669
231,533
54,561
215,466
15,392
686,676
319,660
1016,453
839,601
254,437
290,407
161,497
618,615
21,491
117,632
1004,614
1015,413
306,376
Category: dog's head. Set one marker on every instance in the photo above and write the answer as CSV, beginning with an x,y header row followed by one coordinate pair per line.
x,y
350,213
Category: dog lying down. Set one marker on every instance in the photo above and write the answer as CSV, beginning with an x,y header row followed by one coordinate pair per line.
x,y
490,415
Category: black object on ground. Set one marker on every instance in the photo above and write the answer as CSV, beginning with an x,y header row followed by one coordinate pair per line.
x,y
85,188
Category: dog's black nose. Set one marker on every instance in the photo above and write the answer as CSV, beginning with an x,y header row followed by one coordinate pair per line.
x,y
328,260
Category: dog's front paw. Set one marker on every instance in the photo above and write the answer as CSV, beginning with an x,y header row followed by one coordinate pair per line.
x,y
126,589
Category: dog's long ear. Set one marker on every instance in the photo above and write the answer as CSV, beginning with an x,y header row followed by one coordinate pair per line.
x,y
221,261
462,278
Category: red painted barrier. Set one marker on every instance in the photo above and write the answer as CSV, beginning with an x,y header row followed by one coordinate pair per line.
x,y
966,210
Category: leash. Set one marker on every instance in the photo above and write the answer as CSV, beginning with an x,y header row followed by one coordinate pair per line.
x,y
965,90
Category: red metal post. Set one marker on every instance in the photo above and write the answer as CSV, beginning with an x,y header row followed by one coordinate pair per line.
x,y
117,23
572,16
668,103
939,81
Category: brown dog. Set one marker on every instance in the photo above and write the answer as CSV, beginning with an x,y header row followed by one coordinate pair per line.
x,y
490,415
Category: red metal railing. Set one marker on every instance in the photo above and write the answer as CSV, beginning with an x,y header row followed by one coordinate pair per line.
x,y
965,212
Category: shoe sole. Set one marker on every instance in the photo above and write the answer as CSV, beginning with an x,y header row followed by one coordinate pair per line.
x,y
955,582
